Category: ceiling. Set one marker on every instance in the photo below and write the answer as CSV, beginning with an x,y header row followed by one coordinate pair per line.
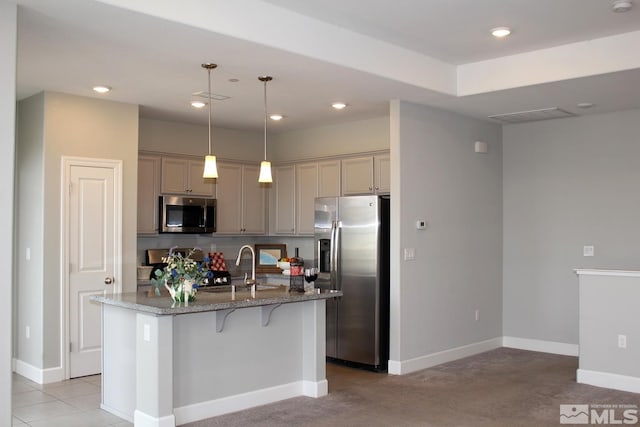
x,y
362,52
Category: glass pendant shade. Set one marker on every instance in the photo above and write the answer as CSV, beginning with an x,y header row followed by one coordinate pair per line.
x,y
210,167
265,172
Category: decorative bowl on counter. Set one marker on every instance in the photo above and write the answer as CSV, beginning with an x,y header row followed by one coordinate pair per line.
x,y
284,265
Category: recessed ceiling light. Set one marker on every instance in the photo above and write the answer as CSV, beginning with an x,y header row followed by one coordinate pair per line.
x,y
338,105
500,32
622,5
276,117
198,104
101,89
234,80
584,105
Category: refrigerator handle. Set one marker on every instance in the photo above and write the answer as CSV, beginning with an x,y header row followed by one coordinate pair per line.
x,y
332,265
336,258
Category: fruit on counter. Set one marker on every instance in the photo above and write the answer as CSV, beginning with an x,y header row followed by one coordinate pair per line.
x,y
284,259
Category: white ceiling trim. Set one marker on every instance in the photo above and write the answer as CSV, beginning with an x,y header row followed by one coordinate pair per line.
x,y
266,24
570,61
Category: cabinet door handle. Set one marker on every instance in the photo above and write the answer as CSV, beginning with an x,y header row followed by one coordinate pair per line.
x,y
370,188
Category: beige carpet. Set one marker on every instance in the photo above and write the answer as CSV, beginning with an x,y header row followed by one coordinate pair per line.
x,y
503,387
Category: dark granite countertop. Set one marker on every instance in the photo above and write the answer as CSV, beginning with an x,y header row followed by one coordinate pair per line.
x,y
214,300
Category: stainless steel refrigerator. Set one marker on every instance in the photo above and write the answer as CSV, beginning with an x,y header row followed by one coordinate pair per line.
x,y
352,254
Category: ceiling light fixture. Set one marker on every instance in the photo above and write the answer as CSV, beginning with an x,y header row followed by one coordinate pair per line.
x,y
198,104
210,166
500,32
622,5
265,166
338,105
276,117
101,89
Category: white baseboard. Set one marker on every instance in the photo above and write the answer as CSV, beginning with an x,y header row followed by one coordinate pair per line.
x,y
607,380
315,388
540,345
38,375
117,413
143,420
238,402
423,362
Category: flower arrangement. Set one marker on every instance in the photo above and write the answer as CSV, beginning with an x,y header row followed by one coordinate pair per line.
x,y
182,276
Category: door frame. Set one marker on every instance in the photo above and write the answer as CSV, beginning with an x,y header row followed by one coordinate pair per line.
x,y
67,162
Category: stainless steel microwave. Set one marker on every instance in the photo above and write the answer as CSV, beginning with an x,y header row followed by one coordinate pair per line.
x,y
183,214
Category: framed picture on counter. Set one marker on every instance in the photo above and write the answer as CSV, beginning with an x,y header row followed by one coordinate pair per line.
x,y
267,256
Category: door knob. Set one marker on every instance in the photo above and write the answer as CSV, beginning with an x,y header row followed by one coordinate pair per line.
x,y
108,280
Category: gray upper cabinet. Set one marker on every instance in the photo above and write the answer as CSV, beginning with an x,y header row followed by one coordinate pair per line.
x,y
148,192
365,175
329,178
284,199
184,176
306,192
241,200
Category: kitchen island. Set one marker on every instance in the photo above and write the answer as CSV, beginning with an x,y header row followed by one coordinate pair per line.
x,y
166,364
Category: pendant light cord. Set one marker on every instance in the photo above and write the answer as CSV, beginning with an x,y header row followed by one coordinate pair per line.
x,y
265,119
209,93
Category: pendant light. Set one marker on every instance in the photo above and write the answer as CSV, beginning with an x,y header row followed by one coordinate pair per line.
x,y
210,166
265,166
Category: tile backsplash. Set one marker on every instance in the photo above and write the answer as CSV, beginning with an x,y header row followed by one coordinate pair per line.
x,y
229,245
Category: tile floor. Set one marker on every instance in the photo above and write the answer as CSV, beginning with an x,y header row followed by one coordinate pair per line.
x,y
71,403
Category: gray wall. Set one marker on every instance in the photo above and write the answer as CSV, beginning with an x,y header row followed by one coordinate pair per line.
x,y
29,226
332,140
189,139
8,34
437,176
70,126
567,183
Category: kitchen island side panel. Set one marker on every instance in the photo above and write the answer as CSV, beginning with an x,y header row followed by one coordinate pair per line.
x,y
243,357
119,366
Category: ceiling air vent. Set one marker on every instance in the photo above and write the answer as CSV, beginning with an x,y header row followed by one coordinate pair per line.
x,y
205,94
532,115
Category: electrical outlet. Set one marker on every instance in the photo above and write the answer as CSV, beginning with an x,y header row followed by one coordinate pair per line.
x,y
588,250
622,341
27,332
477,315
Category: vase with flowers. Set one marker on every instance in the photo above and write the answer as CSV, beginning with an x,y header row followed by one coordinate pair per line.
x,y
182,276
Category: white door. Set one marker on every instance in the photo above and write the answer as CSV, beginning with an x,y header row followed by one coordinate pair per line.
x,y
93,219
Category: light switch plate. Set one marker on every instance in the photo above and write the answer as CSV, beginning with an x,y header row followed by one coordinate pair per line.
x,y
409,254
588,250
